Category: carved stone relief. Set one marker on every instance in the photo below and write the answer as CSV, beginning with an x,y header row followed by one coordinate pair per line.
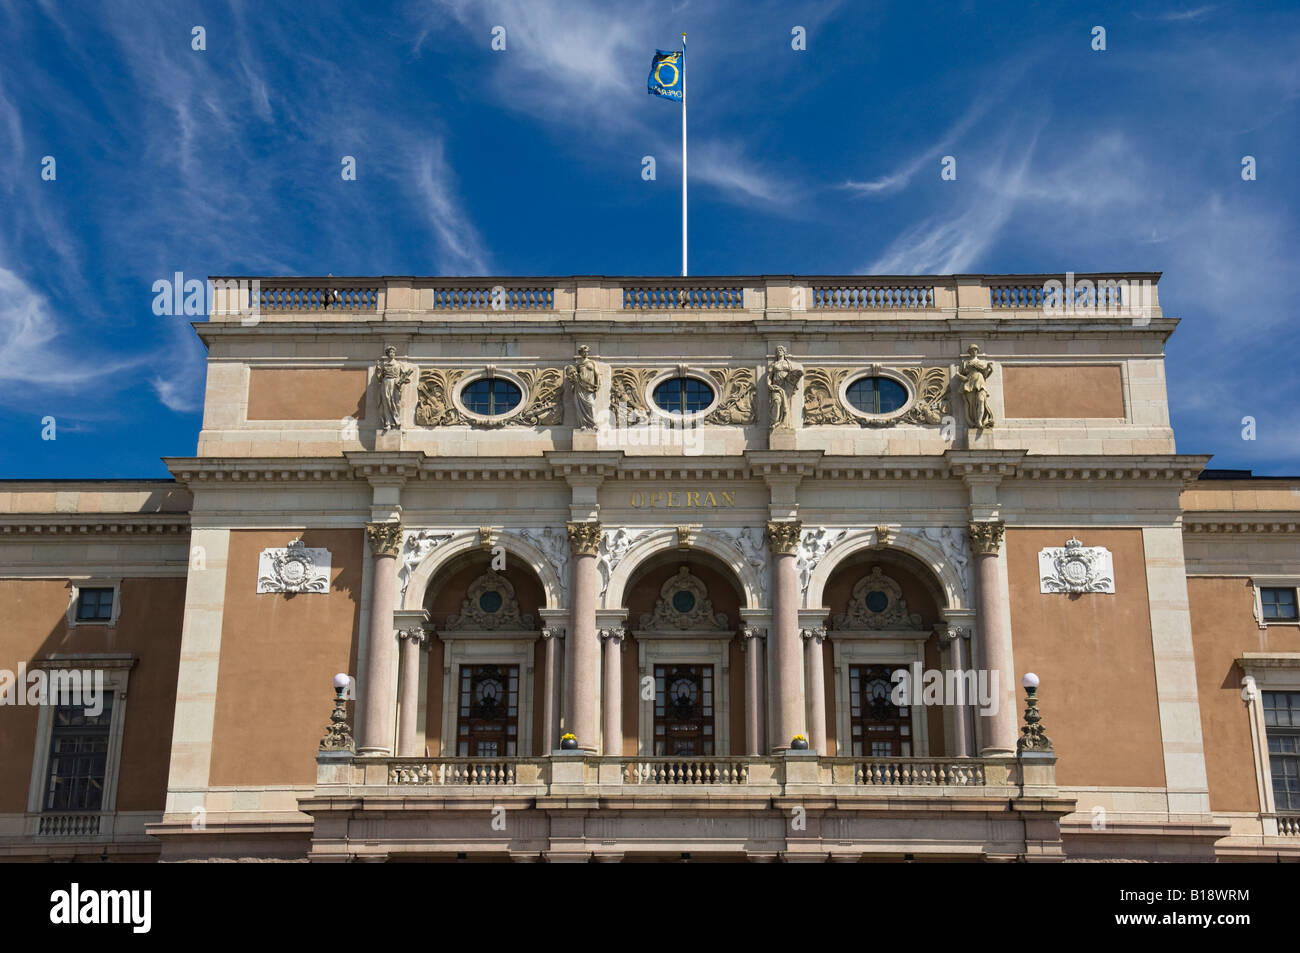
x,y
415,547
822,405
434,406
489,604
614,545
683,604
1076,568
736,389
627,395
813,546
293,569
749,540
876,602
555,545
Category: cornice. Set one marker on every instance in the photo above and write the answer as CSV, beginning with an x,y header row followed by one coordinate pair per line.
x,y
108,525
1241,524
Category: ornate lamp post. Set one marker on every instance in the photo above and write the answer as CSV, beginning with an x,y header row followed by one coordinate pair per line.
x,y
1032,737
338,736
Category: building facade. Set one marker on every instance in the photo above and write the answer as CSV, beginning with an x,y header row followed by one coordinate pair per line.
x,y
628,569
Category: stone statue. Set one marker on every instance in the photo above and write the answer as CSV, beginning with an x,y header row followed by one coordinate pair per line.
x,y
390,377
584,380
974,375
783,376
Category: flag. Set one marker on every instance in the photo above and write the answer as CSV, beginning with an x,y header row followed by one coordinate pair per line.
x,y
667,74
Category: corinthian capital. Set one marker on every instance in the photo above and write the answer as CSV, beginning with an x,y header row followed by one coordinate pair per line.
x,y
584,538
986,537
385,538
783,537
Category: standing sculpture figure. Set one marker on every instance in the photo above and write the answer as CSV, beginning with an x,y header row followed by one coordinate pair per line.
x,y
783,376
584,379
974,375
390,378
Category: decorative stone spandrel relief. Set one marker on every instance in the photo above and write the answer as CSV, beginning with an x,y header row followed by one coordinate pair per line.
x,y
391,377
416,545
974,374
1076,568
749,540
554,544
436,407
614,545
295,568
627,395
822,405
737,389
814,544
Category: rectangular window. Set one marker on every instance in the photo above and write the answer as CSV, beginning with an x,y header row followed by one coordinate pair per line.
x,y
488,726
94,605
880,728
683,710
78,757
1282,726
1279,604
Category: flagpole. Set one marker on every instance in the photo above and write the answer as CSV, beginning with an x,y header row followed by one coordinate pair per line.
x,y
683,155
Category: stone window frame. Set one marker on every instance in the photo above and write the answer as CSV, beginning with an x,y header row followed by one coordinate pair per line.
x,y
116,667
1266,672
884,648
682,370
1259,583
491,372
94,582
685,648
462,648
886,372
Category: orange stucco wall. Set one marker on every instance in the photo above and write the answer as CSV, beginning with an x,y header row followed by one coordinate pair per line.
x,y
306,394
1094,655
149,628
1223,628
279,654
1063,390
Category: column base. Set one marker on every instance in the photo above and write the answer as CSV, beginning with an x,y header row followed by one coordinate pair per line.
x,y
374,753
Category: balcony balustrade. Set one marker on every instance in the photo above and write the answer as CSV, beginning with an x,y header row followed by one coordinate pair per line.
x,y
1124,294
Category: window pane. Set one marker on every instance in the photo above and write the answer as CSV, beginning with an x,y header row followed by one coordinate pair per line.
x,y
1279,604
78,757
95,604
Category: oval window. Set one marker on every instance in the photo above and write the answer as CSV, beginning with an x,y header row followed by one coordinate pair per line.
x,y
490,601
491,396
683,395
876,395
683,601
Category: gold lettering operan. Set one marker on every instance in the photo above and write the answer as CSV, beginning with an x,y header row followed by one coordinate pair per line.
x,y
682,499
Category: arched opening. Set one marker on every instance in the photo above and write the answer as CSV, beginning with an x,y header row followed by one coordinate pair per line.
x,y
482,697
683,669
882,608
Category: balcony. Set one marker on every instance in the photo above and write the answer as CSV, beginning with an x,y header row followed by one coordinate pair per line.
x,y
578,806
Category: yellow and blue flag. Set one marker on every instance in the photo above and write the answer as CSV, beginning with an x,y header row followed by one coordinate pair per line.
x,y
668,74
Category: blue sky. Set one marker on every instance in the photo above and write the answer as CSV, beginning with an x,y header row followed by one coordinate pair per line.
x,y
528,161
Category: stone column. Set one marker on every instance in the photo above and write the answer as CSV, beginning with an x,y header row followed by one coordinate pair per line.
x,y
951,638
752,644
410,744
813,639
584,693
551,688
998,728
786,678
612,697
379,704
